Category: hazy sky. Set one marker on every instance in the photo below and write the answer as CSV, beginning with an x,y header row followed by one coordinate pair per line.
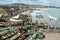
x,y
34,2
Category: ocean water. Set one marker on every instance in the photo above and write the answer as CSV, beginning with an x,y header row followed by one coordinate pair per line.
x,y
54,12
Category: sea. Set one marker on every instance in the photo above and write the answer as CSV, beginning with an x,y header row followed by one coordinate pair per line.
x,y
53,12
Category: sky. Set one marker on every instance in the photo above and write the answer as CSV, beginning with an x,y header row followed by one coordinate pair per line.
x,y
32,2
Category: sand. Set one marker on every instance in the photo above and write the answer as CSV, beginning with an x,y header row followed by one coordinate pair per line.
x,y
52,36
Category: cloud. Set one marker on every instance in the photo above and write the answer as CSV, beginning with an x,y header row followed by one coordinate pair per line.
x,y
45,1
14,1
34,2
50,2
26,1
